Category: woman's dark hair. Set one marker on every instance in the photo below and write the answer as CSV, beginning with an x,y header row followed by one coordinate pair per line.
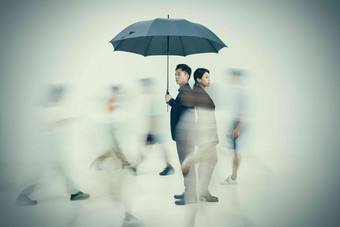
x,y
199,73
184,68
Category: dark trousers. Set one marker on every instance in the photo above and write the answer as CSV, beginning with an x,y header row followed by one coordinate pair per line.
x,y
184,148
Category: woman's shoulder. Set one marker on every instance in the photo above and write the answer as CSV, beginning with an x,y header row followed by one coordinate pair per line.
x,y
197,88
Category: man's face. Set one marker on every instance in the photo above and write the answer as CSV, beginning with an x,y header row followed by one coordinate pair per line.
x,y
236,80
181,77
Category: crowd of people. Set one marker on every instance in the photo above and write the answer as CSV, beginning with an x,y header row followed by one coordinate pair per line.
x,y
193,127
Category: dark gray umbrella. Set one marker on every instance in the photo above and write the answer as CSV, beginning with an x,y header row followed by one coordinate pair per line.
x,y
167,37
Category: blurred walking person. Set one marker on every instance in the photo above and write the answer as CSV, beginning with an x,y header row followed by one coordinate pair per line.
x,y
54,154
239,114
112,161
111,122
153,118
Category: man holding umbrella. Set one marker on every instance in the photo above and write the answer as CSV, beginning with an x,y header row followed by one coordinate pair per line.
x,y
182,122
165,36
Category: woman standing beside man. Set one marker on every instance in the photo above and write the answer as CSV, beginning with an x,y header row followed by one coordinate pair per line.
x,y
206,136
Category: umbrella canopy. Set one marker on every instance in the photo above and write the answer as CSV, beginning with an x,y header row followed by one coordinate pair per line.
x,y
167,37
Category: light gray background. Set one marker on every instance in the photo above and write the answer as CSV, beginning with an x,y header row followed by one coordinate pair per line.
x,y
290,49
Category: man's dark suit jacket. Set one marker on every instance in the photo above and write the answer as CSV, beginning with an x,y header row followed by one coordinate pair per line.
x,y
182,103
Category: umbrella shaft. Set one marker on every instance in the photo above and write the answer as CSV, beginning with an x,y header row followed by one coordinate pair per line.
x,y
167,65
167,74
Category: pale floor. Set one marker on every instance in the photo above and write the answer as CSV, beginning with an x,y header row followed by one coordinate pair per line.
x,y
272,191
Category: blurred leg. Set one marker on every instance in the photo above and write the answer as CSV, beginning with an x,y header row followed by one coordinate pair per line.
x,y
206,169
236,164
23,198
184,149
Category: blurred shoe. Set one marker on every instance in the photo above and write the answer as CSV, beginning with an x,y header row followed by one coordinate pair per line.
x,y
131,221
167,171
130,168
185,201
24,200
181,196
79,196
208,198
229,180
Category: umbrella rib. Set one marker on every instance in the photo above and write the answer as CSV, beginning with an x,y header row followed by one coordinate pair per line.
x,y
207,40
116,48
212,46
180,39
148,46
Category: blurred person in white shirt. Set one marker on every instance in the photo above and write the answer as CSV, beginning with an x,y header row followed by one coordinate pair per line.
x,y
54,146
239,110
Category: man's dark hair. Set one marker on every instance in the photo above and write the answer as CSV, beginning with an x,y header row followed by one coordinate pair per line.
x,y
236,72
184,68
199,73
146,81
115,89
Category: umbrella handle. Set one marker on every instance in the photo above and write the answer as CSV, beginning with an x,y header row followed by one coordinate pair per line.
x,y
167,105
